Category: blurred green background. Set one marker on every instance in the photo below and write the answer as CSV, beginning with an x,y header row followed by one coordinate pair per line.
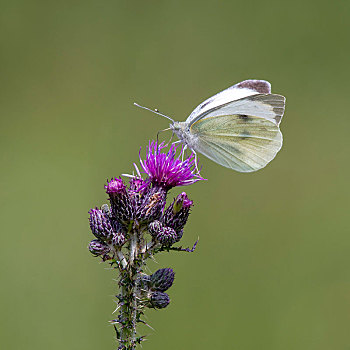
x,y
272,269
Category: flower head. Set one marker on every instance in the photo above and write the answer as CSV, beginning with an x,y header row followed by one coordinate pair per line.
x,y
166,170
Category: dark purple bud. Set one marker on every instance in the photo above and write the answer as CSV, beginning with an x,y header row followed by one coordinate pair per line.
x,y
98,248
167,236
160,300
164,235
100,224
162,279
176,215
121,205
118,239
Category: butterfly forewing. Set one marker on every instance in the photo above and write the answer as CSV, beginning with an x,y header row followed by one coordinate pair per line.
x,y
240,142
268,106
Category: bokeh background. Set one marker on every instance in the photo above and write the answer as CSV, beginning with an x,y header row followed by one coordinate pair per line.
x,y
272,269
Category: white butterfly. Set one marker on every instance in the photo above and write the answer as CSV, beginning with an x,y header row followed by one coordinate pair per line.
x,y
237,128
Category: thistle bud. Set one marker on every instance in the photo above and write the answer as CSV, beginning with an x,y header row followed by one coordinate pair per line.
x,y
176,215
115,187
155,228
100,224
98,248
162,279
167,236
162,234
159,300
120,202
180,201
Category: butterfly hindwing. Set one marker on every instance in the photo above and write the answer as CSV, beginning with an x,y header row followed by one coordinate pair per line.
x,y
240,142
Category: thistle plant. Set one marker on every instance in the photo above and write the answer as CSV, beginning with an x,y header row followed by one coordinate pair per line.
x,y
135,226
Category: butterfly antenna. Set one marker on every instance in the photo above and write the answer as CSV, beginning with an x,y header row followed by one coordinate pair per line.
x,y
155,112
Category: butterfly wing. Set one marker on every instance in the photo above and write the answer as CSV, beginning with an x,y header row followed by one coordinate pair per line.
x,y
240,142
243,89
250,97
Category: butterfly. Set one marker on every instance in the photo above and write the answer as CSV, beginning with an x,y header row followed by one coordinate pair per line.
x,y
237,128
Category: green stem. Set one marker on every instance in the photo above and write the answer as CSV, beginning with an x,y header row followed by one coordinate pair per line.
x,y
128,310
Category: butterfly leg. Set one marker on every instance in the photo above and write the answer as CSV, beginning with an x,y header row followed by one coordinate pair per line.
x,y
162,131
196,161
171,138
183,152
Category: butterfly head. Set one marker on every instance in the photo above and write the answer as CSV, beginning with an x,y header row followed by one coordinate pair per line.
x,y
182,131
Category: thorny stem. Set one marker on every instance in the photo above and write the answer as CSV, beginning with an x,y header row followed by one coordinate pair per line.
x,y
128,313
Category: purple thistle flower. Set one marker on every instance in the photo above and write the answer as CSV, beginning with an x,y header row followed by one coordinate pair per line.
x,y
166,170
